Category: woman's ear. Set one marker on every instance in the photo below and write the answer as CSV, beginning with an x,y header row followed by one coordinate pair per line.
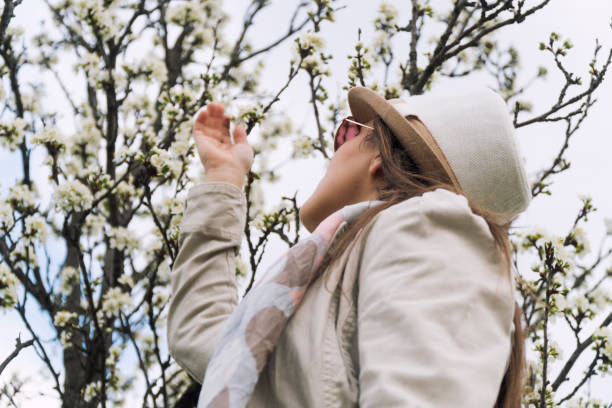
x,y
375,164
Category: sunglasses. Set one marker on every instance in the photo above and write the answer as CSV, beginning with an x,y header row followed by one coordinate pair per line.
x,y
348,129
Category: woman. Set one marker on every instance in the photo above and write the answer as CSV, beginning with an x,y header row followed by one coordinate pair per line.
x,y
412,304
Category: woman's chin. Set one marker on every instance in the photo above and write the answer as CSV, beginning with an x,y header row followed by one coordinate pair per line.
x,y
305,217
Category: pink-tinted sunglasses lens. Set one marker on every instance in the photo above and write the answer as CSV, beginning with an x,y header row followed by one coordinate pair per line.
x,y
346,131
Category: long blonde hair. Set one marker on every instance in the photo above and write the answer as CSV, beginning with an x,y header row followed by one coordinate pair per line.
x,y
401,179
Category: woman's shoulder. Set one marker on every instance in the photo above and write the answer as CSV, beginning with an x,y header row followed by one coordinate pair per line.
x,y
435,234
436,209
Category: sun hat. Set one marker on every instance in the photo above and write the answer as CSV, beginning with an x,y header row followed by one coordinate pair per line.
x,y
465,134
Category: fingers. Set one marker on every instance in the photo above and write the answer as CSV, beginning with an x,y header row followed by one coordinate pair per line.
x,y
215,109
240,135
211,121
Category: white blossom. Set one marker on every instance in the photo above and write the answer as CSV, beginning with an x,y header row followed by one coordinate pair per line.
x,y
561,251
241,265
73,166
93,66
554,348
122,153
163,161
315,63
163,272
605,335
159,72
36,227
88,136
185,12
6,214
601,297
581,302
160,296
48,136
389,11
24,251
604,332
155,244
113,356
560,301
95,223
125,189
126,280
63,318
174,205
312,40
582,239
258,220
12,134
32,101
91,390
123,239
73,195
69,278
180,147
114,301
66,338
146,340
21,194
302,146
8,287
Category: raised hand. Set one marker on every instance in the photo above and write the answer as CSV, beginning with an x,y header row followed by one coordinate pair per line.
x,y
222,160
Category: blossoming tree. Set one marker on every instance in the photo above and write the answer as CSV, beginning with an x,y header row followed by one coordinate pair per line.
x,y
89,232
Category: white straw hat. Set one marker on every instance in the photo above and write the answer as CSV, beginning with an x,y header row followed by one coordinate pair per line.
x,y
467,135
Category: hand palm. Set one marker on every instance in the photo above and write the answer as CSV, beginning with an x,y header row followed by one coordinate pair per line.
x,y
215,148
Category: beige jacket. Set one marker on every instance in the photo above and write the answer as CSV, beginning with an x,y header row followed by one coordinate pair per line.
x,y
427,321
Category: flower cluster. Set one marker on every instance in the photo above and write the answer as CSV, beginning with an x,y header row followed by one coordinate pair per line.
x,y
310,47
63,318
114,352
123,239
6,215
94,69
388,11
114,301
95,224
240,265
69,277
73,195
51,138
91,390
160,297
303,147
604,335
36,228
8,287
164,163
174,205
12,134
312,41
21,198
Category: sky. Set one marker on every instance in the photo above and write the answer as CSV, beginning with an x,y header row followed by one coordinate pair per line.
x,y
589,151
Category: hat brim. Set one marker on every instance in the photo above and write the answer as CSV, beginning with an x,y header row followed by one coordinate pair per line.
x,y
423,149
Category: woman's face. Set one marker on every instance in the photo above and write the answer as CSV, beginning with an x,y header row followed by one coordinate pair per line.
x,y
350,178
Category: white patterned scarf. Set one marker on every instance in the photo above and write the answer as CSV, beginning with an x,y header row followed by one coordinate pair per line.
x,y
253,329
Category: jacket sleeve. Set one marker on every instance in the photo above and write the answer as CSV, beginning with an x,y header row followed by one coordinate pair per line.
x,y
204,291
435,307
